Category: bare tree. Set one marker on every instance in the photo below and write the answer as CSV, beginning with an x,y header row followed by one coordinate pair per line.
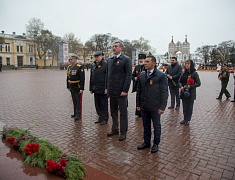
x,y
74,44
54,46
206,52
34,27
44,41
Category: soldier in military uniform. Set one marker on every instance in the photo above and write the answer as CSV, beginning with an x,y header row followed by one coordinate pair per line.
x,y
224,78
75,83
135,75
98,86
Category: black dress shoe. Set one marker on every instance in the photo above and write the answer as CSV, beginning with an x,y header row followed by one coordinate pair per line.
x,y
177,108
218,98
97,122
72,116
77,118
103,122
122,137
154,148
143,146
233,100
112,133
182,122
170,107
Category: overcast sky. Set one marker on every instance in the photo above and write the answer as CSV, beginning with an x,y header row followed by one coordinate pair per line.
x,y
204,21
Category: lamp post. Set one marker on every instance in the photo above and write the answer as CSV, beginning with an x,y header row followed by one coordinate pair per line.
x,y
34,37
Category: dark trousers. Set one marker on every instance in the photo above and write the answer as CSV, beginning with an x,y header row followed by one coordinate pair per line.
x,y
147,116
187,108
224,89
76,103
175,96
121,103
101,106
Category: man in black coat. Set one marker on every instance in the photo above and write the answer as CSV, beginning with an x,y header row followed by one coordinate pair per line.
x,y
173,72
152,95
119,80
135,75
75,83
98,86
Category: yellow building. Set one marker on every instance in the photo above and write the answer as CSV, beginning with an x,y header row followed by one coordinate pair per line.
x,y
19,50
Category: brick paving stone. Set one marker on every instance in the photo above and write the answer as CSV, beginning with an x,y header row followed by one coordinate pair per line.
x,y
203,150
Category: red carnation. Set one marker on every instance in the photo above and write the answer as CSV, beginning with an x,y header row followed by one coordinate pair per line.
x,y
63,161
58,165
190,81
11,140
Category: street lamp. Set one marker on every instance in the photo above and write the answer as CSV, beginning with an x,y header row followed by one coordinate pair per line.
x,y
34,37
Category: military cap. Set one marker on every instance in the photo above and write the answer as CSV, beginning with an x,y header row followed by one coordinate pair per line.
x,y
72,55
141,55
98,53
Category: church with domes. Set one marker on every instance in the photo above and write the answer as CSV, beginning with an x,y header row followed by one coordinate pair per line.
x,y
179,50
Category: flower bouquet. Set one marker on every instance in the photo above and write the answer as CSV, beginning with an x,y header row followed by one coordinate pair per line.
x,y
40,152
190,81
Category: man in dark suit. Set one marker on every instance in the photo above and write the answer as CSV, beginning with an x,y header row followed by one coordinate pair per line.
x,y
136,73
119,80
98,86
152,95
173,72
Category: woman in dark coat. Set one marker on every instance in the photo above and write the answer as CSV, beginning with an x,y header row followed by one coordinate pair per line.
x,y
188,83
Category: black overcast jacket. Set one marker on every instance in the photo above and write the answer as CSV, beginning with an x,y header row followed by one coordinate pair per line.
x,y
152,92
98,77
119,75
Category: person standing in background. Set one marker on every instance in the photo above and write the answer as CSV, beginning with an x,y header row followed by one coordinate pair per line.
x,y
224,78
173,72
135,75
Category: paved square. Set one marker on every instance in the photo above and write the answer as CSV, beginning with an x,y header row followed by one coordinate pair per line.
x,y
203,150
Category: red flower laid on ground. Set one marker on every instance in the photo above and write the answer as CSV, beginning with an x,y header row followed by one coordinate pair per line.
x,y
55,167
63,161
11,140
31,148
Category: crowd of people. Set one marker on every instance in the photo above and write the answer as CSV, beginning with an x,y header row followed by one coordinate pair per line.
x,y
111,80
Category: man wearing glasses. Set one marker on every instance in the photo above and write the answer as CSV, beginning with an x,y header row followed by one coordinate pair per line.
x,y
119,80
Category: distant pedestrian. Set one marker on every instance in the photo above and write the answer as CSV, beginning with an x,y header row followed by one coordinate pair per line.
x,y
173,72
0,67
98,86
224,78
119,80
234,88
188,83
75,83
152,95
136,74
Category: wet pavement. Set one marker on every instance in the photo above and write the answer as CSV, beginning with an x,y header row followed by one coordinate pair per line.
x,y
203,150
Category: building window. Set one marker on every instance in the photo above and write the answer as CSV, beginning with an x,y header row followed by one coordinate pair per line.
x,y
30,48
7,47
8,61
19,48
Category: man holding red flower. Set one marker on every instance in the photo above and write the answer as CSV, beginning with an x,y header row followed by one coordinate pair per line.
x,y
136,73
